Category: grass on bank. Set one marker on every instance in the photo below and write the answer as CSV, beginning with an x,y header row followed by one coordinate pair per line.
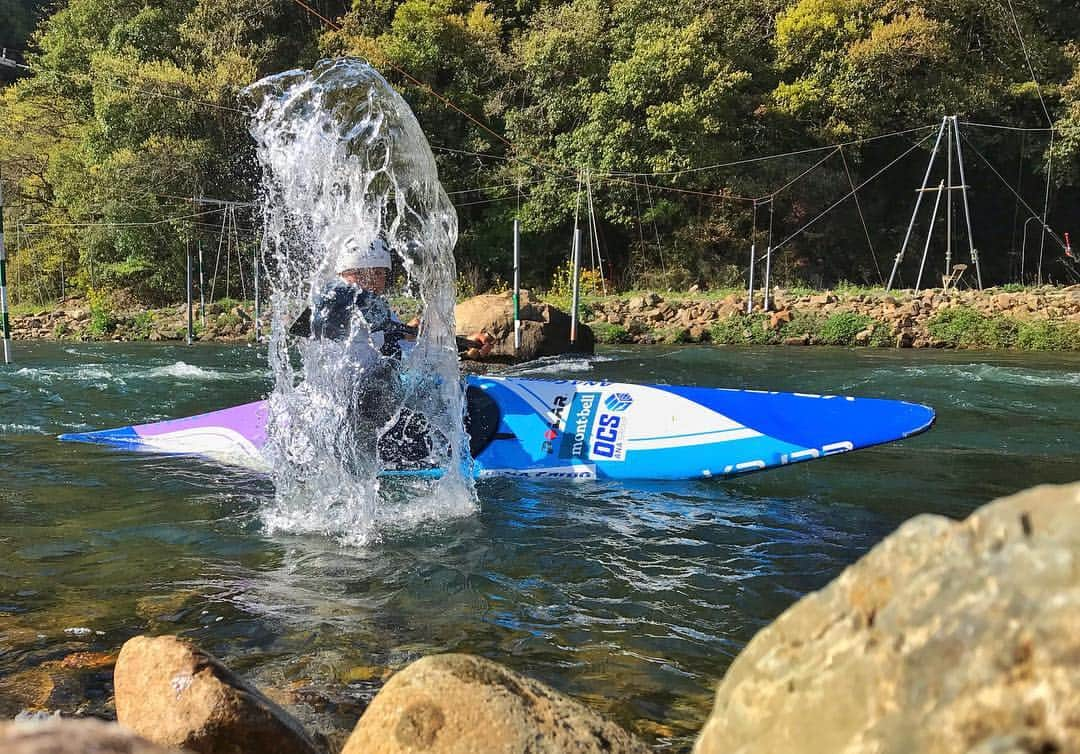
x,y
963,327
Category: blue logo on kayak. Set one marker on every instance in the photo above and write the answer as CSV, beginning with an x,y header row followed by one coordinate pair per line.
x,y
577,431
618,401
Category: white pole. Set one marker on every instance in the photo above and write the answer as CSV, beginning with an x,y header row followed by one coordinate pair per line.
x,y
768,260
918,203
753,254
967,209
517,285
929,236
575,266
4,319
255,274
190,323
948,210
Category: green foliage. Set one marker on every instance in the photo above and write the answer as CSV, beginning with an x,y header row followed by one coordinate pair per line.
x,y
963,327
562,282
1048,336
102,318
742,331
606,332
966,328
142,324
840,329
802,323
134,104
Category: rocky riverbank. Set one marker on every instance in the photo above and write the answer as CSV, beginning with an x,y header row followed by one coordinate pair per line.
x,y
1040,319
79,319
946,637
1033,319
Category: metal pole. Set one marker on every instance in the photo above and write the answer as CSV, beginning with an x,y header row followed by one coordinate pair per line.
x,y
753,254
190,313
5,322
517,285
202,284
255,274
967,208
1023,247
768,259
575,270
929,236
1046,203
948,209
918,203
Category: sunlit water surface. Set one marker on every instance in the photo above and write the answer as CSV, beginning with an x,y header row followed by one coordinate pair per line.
x,y
633,599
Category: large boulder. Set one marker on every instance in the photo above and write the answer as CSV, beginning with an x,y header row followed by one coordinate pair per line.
x,y
452,703
545,331
946,637
171,692
56,736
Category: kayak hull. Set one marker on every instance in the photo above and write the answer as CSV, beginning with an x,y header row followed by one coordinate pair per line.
x,y
588,429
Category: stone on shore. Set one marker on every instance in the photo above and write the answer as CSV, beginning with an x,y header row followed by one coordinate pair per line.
x,y
445,704
174,694
946,637
545,330
56,736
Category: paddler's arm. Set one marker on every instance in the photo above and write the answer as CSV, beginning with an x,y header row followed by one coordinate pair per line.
x,y
474,346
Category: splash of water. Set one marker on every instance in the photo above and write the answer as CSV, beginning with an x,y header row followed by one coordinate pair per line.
x,y
345,163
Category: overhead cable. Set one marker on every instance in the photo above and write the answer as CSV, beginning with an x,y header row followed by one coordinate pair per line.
x,y
1019,198
847,196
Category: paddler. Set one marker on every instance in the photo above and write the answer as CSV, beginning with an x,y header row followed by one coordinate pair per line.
x,y
352,309
361,286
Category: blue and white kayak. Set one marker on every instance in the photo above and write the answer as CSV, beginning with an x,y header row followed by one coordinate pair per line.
x,y
583,429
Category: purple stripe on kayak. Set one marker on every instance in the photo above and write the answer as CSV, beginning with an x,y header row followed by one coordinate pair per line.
x,y
248,420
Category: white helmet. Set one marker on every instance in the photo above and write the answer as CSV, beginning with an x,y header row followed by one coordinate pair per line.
x,y
356,257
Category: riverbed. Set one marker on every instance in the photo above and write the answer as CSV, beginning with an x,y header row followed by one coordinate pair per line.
x,y
633,599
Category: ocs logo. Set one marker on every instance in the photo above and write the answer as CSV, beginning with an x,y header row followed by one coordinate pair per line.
x,y
618,401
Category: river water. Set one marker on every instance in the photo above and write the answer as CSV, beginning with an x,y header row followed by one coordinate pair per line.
x,y
631,599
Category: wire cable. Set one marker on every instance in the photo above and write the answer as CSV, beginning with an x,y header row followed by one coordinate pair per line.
x,y
847,196
1019,198
858,206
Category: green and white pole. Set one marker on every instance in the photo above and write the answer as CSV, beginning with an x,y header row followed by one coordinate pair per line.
x,y
517,285
3,284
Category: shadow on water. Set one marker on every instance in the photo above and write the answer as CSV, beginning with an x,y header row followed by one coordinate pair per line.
x,y
634,600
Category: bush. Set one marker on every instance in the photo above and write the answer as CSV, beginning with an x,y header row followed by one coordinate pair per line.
x,y
676,335
742,330
802,323
963,327
562,283
840,329
141,324
102,319
1048,336
606,332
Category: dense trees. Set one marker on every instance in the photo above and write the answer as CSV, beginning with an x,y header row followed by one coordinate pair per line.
x,y
132,107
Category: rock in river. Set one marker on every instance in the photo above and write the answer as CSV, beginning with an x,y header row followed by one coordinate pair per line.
x,y
55,736
453,703
946,637
545,330
173,693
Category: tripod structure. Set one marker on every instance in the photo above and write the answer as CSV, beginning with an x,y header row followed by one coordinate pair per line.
x,y
950,131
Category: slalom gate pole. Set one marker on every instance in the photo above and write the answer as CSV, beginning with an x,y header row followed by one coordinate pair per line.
x,y
517,285
575,271
190,312
6,322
